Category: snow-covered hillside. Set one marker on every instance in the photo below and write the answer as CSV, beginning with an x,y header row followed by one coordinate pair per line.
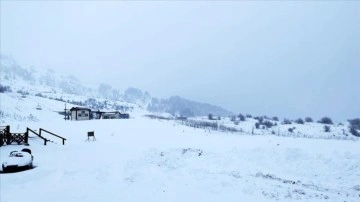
x,y
156,156
28,80
142,159
278,128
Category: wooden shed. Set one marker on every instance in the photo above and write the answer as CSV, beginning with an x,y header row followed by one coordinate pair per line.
x,y
80,113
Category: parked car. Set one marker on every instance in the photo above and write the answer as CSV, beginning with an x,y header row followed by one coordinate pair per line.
x,y
17,161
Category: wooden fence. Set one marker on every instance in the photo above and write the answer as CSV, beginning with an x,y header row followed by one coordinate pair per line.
x,y
7,138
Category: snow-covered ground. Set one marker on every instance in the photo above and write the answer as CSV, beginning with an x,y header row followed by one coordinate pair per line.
x,y
305,130
142,159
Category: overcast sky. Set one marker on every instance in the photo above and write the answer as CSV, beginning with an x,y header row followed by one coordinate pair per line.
x,y
290,59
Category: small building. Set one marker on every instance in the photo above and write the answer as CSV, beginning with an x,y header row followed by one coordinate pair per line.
x,y
96,114
124,116
80,113
112,115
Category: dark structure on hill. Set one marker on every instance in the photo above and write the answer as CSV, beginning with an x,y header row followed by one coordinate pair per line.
x,y
83,113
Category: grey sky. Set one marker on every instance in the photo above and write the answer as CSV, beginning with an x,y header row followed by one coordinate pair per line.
x,y
291,59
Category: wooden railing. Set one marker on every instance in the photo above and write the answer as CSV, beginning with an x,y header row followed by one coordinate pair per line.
x,y
39,135
63,139
7,137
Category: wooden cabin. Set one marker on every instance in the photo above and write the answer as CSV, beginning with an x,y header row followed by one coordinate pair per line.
x,y
80,113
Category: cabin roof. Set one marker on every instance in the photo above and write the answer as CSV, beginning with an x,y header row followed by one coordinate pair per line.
x,y
79,108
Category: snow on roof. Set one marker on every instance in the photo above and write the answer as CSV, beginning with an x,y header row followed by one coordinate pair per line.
x,y
79,108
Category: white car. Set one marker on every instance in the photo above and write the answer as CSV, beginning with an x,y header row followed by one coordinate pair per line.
x,y
18,161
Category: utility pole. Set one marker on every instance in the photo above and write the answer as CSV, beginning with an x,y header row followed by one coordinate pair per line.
x,y
65,114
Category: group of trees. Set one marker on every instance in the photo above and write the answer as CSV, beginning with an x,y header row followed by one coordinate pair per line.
x,y
179,106
237,118
4,89
354,126
211,117
105,104
106,91
266,122
326,120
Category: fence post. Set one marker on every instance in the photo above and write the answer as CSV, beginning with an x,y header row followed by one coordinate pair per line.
x,y
2,137
7,135
26,137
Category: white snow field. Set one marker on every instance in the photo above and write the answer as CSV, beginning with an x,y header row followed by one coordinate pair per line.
x,y
141,159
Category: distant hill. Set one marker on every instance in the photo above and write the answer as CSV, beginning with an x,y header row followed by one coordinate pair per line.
x,y
30,80
179,106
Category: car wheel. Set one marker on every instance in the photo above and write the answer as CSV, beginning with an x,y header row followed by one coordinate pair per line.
x,y
4,169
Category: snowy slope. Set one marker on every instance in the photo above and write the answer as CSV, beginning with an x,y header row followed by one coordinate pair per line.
x,y
141,159
48,83
305,130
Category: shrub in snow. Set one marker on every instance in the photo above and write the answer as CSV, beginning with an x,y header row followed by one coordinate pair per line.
x,y
210,117
325,120
4,89
248,116
286,121
233,118
23,92
355,123
299,121
356,187
291,129
259,118
39,95
2,115
355,126
354,132
242,117
228,129
257,125
268,124
59,99
327,128
308,119
275,118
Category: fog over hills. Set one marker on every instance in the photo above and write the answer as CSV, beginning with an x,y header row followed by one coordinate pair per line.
x,y
287,59
173,101
32,80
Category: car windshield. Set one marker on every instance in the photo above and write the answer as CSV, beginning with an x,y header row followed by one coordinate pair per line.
x,y
16,155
